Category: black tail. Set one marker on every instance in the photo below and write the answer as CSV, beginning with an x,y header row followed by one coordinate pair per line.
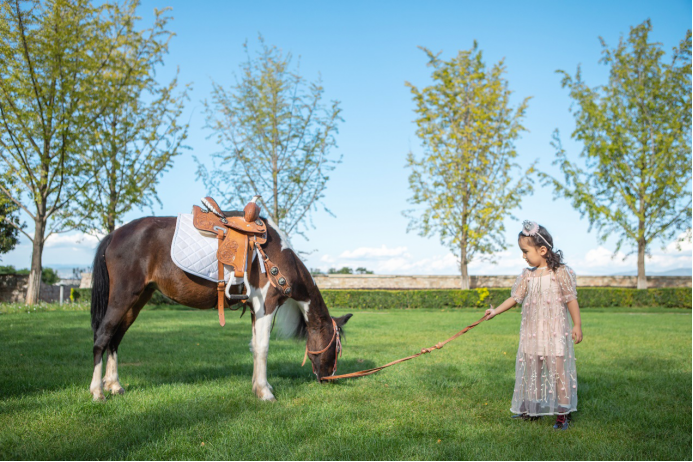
x,y
99,285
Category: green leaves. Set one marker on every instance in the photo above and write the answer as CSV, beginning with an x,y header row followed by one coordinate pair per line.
x,y
71,82
463,184
635,130
135,135
276,134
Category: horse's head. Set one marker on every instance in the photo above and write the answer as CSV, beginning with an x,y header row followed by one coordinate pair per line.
x,y
324,346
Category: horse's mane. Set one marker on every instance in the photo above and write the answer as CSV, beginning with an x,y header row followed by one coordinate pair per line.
x,y
289,320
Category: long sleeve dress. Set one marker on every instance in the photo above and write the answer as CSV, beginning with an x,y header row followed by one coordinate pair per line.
x,y
545,375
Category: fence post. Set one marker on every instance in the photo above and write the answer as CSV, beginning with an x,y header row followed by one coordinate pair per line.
x,y
62,289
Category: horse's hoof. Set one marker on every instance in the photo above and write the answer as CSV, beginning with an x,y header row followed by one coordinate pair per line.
x,y
264,394
114,387
99,398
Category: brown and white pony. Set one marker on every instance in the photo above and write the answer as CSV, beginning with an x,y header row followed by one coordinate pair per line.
x,y
135,260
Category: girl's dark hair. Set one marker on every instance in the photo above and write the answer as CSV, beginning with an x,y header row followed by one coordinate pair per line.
x,y
554,258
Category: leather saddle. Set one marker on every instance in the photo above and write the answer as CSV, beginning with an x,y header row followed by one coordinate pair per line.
x,y
239,237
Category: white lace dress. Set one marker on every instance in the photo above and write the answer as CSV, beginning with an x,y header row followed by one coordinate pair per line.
x,y
545,376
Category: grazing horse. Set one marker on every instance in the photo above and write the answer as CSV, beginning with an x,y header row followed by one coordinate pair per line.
x,y
135,260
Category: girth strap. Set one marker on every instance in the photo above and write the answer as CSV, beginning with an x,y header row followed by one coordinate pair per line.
x,y
220,283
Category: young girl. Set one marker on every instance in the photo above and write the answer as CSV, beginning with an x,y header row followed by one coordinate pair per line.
x,y
545,376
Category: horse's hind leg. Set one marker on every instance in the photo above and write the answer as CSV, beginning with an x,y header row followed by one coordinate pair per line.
x,y
109,326
120,302
111,381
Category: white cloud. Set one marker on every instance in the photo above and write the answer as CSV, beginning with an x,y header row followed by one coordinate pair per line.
x,y
73,239
600,261
685,244
327,258
602,257
374,252
398,260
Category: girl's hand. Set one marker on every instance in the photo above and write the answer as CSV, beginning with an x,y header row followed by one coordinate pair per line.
x,y
577,334
490,313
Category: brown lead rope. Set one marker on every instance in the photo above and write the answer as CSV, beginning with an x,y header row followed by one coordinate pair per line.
x,y
437,346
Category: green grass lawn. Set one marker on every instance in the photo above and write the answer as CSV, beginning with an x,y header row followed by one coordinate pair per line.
x,y
189,393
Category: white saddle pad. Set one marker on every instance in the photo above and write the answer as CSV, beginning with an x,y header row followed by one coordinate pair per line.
x,y
195,253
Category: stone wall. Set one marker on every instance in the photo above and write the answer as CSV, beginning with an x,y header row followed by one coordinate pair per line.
x,y
13,289
375,281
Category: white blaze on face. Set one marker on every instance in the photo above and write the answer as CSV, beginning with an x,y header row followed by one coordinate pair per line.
x,y
286,244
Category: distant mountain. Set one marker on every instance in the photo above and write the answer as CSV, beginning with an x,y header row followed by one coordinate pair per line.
x,y
65,269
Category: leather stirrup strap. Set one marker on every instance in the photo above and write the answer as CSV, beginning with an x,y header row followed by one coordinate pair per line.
x,y
220,284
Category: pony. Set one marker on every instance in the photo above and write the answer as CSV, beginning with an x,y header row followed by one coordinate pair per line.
x,y
135,260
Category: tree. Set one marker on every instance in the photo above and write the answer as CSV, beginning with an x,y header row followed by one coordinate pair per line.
x,y
636,135
276,135
8,214
463,181
49,276
342,270
55,56
136,136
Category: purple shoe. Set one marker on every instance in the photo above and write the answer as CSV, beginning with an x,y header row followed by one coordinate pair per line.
x,y
562,422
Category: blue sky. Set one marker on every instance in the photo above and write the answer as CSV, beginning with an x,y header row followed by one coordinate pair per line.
x,y
365,51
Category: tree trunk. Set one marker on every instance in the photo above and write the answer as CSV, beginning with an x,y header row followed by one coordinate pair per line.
x,y
111,212
34,289
642,279
112,180
464,280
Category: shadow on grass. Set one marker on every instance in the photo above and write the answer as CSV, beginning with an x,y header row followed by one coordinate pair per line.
x,y
136,428
61,358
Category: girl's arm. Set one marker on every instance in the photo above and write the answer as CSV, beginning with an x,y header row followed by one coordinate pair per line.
x,y
574,310
505,306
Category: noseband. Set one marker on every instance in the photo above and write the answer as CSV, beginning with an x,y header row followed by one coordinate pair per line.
x,y
335,335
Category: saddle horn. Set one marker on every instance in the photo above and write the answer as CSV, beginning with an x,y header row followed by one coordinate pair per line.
x,y
251,212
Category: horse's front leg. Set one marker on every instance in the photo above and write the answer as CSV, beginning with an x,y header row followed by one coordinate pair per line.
x,y
261,337
262,326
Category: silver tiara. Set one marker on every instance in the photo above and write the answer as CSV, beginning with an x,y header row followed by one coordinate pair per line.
x,y
530,228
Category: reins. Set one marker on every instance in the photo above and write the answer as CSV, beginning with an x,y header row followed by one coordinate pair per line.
x,y
437,346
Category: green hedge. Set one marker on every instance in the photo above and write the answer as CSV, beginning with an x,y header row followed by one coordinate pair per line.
x,y
588,297
85,294
407,299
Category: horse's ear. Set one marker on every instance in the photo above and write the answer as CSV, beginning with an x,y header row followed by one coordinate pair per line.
x,y
342,320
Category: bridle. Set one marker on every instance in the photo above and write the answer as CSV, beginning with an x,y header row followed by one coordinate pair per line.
x,y
335,337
